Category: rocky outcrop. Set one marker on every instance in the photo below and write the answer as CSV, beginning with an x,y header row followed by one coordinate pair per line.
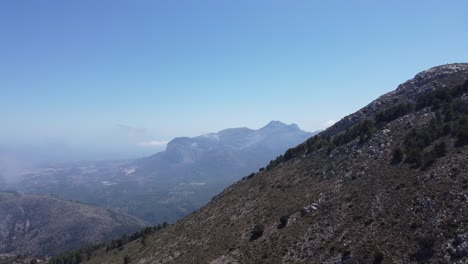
x,y
435,78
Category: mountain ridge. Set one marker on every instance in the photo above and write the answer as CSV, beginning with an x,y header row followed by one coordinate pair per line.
x,y
225,134
227,146
40,224
383,187
447,75
168,185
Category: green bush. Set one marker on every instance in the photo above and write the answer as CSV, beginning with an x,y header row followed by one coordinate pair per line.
x,y
363,130
257,232
394,112
397,156
283,221
428,158
440,149
462,132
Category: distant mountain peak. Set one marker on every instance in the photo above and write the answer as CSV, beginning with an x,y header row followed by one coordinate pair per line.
x,y
243,148
276,123
279,125
227,134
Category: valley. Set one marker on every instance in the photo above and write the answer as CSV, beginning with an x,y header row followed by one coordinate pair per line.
x,y
170,184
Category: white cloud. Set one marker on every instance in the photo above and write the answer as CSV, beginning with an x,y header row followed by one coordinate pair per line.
x,y
153,143
328,123
129,131
213,136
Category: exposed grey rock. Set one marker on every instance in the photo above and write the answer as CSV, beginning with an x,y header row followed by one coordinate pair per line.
x,y
435,78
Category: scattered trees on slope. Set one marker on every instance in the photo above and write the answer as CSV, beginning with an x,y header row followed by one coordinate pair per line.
x,y
451,119
86,253
447,103
394,112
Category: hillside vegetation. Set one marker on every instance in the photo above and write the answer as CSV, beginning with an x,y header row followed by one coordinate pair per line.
x,y
33,224
387,184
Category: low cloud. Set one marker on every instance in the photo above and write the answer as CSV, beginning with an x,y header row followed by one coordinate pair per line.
x,y
129,131
328,123
139,137
153,143
12,168
213,136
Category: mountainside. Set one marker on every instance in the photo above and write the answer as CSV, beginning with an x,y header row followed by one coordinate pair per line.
x,y
387,184
44,225
173,183
224,156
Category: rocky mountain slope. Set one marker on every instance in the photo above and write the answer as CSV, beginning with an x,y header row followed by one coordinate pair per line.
x,y
21,259
172,183
388,184
45,225
441,77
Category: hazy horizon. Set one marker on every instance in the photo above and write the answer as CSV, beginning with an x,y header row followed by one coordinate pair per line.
x,y
104,80
138,145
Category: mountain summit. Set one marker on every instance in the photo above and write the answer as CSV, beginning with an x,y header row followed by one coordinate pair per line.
x,y
241,149
224,145
387,184
274,125
192,170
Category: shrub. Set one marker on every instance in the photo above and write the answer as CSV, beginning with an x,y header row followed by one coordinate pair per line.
x,y
283,221
393,113
397,156
414,156
378,258
288,154
257,232
428,159
440,149
425,250
363,130
462,132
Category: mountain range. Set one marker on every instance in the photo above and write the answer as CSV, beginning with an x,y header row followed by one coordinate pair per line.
x,y
222,157
387,184
171,184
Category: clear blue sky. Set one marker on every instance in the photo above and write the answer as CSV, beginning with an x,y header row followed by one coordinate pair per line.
x,y
95,78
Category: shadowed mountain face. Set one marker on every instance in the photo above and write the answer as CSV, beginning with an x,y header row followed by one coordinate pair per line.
x,y
224,156
173,183
44,225
387,184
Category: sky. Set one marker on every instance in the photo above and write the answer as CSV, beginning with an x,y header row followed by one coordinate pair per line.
x,y
114,79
